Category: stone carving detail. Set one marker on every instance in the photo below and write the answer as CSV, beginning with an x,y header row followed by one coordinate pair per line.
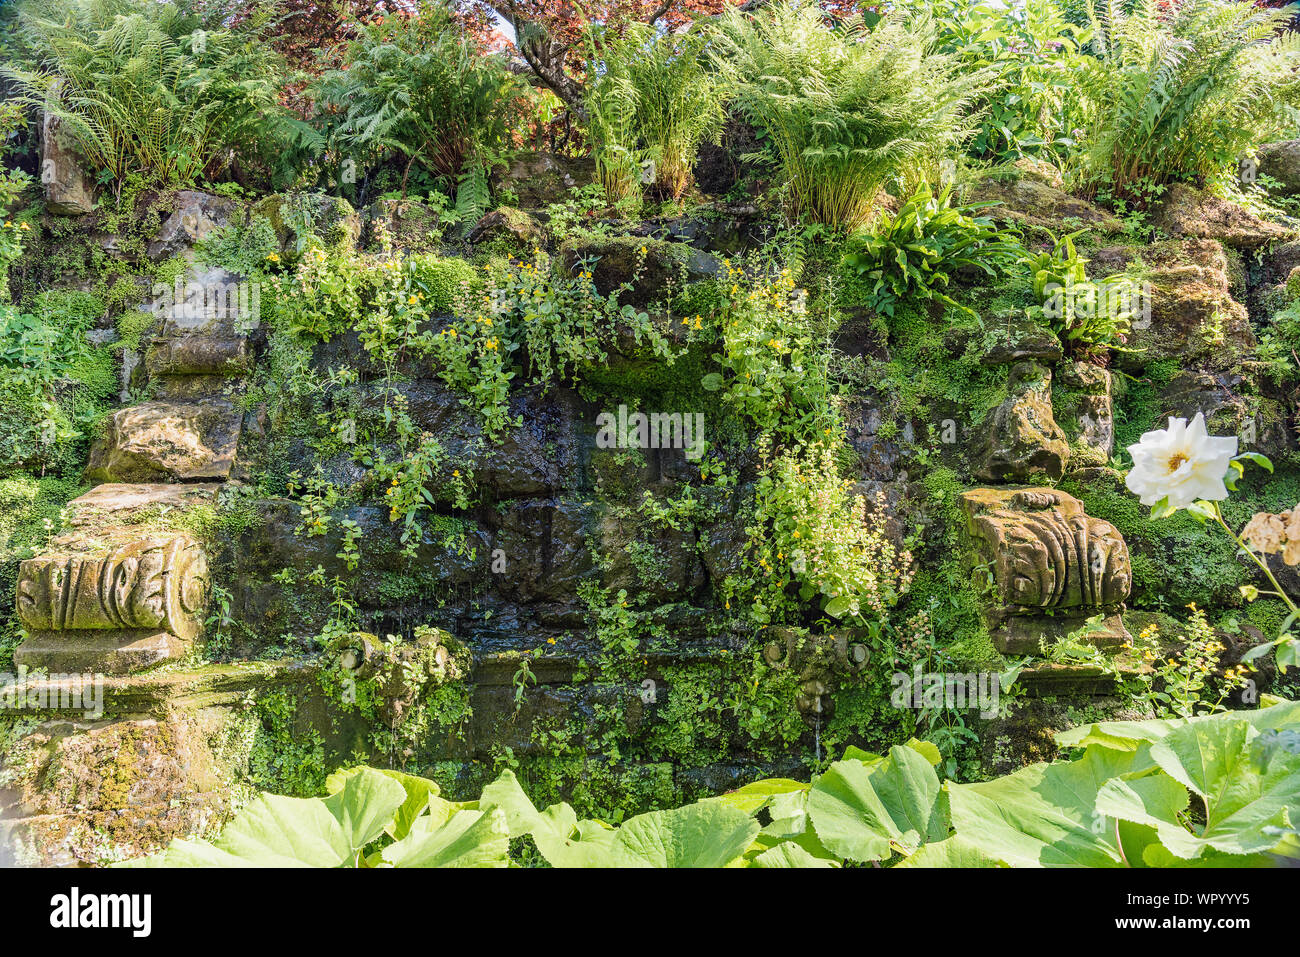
x,y
1047,557
820,661
1022,442
156,583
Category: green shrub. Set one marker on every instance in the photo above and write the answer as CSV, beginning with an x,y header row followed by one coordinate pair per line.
x,y
54,385
419,88
846,107
443,281
1087,316
142,89
654,101
1179,93
1030,49
915,252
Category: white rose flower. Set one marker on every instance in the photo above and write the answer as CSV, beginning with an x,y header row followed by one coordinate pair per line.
x,y
1183,463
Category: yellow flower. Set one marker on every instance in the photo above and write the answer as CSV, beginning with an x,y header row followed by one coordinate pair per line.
x,y
550,641
273,257
452,333
455,473
24,227
412,301
643,250
491,343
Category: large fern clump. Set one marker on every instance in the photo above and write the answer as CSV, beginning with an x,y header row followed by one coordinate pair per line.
x,y
142,88
1180,93
421,89
651,102
846,106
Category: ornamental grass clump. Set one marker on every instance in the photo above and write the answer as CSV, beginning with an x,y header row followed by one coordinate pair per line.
x,y
651,105
846,107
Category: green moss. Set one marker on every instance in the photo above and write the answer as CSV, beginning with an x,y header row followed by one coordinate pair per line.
x,y
285,758
31,511
444,281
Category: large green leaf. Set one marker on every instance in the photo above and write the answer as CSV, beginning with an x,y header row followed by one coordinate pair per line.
x,y
1245,791
955,851
1043,815
864,812
789,854
275,831
1131,735
467,839
790,824
506,794
707,834
567,842
418,792
754,797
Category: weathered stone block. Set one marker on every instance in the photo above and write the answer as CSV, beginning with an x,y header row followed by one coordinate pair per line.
x,y
1051,565
69,191
541,178
1021,440
1029,201
1184,211
1281,161
332,218
1086,413
196,217
1194,315
112,602
168,441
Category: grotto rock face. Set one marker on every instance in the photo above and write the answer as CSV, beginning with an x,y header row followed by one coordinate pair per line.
x,y
167,441
112,603
655,266
1086,413
1193,313
819,662
1028,200
1281,161
541,178
69,191
407,224
1022,439
196,217
508,225
1050,564
331,217
1186,212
